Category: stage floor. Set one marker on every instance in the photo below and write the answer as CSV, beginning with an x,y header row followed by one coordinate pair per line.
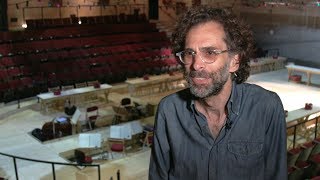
x,y
16,123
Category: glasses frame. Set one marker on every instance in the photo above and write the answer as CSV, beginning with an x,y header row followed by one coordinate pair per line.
x,y
216,52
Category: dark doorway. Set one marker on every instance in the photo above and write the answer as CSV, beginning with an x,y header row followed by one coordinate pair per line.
x,y
3,15
153,9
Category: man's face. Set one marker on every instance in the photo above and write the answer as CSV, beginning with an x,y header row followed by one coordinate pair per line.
x,y
207,79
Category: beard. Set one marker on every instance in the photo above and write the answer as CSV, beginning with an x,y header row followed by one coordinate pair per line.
x,y
219,79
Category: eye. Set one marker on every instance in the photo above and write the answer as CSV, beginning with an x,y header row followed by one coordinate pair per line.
x,y
188,53
210,53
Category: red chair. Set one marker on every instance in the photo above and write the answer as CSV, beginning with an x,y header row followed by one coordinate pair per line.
x,y
306,150
92,115
14,72
117,145
26,82
3,74
26,71
15,84
292,156
148,140
7,62
3,88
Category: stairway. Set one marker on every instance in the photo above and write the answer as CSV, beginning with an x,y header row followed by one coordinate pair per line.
x,y
164,26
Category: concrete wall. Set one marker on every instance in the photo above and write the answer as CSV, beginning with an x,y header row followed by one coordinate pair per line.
x,y
297,43
294,31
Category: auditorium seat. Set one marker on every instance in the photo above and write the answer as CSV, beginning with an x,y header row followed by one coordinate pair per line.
x,y
26,89
48,54
99,20
298,172
3,88
316,148
14,72
66,21
292,156
83,74
295,173
3,74
314,168
7,62
306,150
315,178
57,22
66,78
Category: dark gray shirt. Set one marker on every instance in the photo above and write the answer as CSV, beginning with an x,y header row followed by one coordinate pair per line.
x,y
251,145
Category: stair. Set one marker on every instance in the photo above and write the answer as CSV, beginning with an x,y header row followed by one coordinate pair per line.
x,y
164,26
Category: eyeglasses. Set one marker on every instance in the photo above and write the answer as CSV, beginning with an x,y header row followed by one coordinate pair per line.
x,y
207,55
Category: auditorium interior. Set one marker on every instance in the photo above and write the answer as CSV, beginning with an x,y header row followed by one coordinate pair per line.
x,y
80,81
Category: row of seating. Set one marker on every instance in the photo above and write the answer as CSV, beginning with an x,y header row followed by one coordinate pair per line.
x,y
151,49
13,67
304,161
60,44
38,81
107,57
92,20
12,37
68,58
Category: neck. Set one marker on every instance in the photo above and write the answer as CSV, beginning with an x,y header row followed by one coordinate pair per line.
x,y
214,108
216,103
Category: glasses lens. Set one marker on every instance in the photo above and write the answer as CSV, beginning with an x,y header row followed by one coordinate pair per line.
x,y
208,56
187,57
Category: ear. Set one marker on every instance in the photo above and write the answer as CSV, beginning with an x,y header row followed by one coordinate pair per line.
x,y
234,63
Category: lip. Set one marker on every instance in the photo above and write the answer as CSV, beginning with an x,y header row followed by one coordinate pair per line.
x,y
200,81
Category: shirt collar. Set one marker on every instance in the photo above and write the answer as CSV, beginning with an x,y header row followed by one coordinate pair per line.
x,y
233,103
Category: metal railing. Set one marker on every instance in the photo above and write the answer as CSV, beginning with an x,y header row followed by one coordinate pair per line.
x,y
303,123
48,162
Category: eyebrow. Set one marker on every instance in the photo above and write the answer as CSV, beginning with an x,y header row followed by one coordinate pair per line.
x,y
207,48
202,48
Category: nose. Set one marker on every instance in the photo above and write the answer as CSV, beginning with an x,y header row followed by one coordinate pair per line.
x,y
197,63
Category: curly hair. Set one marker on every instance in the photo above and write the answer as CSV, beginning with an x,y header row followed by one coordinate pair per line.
x,y
238,38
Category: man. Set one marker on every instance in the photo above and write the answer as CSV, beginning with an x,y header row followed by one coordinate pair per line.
x,y
220,127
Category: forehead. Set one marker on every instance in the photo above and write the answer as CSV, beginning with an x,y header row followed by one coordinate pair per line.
x,y
208,34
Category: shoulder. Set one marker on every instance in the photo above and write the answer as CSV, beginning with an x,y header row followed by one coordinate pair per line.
x,y
258,92
178,99
256,95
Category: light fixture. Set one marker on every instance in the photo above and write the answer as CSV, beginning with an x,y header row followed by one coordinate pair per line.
x,y
271,32
79,22
24,25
